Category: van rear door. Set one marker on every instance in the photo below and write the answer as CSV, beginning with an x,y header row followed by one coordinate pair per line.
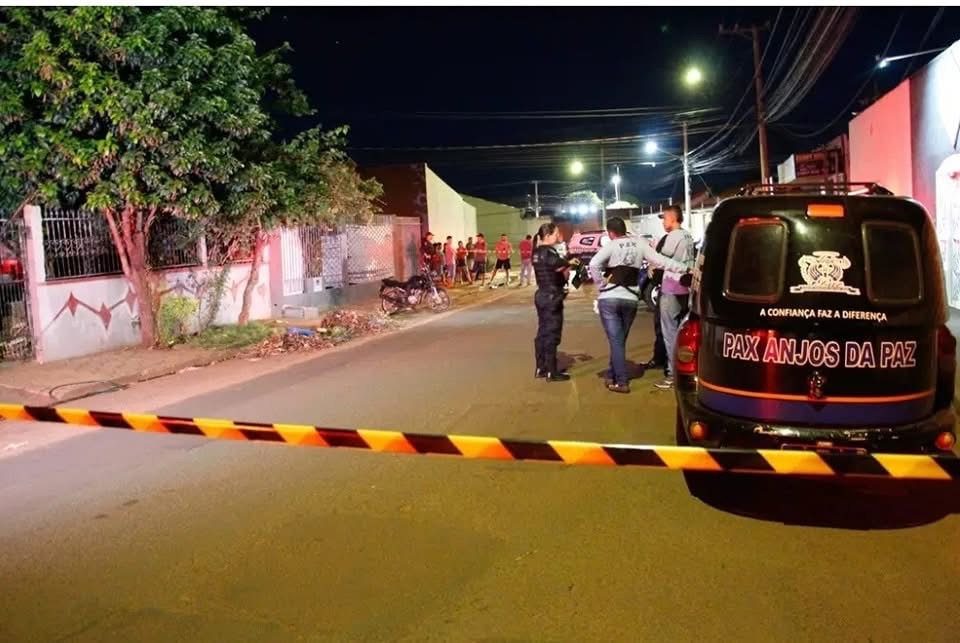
x,y
820,321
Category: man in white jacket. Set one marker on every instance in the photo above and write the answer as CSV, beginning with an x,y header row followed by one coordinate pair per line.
x,y
619,261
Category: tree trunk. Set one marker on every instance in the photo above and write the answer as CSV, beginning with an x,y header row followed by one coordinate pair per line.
x,y
259,242
145,291
131,245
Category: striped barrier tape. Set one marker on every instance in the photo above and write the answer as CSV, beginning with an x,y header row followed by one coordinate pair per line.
x,y
806,463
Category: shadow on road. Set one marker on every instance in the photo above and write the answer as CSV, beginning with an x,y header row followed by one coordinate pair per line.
x,y
634,371
838,503
567,360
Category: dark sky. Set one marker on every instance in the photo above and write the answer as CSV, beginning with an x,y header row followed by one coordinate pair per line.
x,y
376,68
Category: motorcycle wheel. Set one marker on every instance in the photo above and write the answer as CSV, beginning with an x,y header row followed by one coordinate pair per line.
x,y
440,301
650,295
389,300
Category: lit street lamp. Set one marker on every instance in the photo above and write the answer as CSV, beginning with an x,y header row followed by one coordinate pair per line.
x,y
884,62
576,168
615,179
692,76
651,147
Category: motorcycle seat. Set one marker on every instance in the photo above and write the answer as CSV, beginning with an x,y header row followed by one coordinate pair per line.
x,y
393,283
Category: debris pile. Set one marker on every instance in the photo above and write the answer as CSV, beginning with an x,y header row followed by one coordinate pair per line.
x,y
335,328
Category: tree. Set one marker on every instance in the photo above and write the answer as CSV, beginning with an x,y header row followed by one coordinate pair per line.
x,y
307,181
134,113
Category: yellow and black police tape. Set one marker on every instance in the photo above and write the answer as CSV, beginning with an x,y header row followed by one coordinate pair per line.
x,y
804,463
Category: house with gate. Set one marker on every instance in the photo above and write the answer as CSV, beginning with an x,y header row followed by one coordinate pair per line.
x,y
63,294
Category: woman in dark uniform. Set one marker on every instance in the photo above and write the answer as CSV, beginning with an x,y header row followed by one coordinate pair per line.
x,y
550,270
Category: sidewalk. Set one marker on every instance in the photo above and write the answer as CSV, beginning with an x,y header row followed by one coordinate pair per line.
x,y
60,381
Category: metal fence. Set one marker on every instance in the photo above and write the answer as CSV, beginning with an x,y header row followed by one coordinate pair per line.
x,y
316,258
79,244
16,337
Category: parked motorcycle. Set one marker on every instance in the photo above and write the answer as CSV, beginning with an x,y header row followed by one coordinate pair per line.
x,y
407,295
649,290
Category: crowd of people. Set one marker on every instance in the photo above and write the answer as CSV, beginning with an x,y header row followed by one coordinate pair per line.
x,y
469,262
615,268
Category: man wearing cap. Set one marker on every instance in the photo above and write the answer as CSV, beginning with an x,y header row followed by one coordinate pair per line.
x,y
674,294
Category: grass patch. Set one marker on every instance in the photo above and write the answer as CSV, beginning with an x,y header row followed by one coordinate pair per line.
x,y
223,337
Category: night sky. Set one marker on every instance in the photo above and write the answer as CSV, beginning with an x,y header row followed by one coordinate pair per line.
x,y
380,70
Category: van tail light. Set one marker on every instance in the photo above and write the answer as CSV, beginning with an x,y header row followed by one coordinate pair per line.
x,y
946,345
688,345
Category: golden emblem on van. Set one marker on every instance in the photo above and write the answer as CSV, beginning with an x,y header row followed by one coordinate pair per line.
x,y
823,272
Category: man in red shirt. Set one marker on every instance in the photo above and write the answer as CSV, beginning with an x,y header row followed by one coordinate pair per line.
x,y
503,250
480,260
526,261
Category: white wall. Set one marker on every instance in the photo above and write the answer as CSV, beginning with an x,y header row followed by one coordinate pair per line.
x,y
880,142
74,317
89,315
447,213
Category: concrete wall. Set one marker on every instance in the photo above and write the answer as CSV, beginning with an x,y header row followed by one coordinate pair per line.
x,y
494,219
881,142
447,214
74,317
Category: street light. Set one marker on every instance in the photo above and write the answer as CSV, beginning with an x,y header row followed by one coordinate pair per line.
x,y
884,62
616,179
576,168
692,77
651,147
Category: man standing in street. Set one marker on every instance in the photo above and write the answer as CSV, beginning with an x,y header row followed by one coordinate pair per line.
x,y
503,249
659,359
470,257
449,253
526,261
617,301
480,260
427,250
674,296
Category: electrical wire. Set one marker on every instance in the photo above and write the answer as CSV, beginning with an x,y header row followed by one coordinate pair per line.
x,y
856,95
923,41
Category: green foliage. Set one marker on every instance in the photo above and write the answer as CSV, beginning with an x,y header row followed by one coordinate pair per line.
x,y
214,288
225,337
174,318
117,107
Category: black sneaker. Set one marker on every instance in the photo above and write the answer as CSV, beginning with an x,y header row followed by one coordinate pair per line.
x,y
558,377
652,364
618,388
539,373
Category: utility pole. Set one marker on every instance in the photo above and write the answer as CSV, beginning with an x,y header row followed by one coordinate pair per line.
x,y
603,191
753,33
536,199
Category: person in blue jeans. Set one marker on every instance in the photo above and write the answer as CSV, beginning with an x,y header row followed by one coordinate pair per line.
x,y
674,292
617,267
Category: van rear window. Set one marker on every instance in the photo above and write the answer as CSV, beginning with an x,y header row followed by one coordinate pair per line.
x,y
756,261
894,275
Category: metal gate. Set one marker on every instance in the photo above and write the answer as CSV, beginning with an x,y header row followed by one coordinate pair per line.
x,y
16,335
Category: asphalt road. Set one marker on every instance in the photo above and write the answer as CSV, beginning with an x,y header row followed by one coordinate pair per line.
x,y
132,537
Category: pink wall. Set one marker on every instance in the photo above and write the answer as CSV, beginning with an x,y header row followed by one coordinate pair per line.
x,y
880,142
76,317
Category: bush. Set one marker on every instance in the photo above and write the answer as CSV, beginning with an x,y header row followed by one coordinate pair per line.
x,y
175,314
223,337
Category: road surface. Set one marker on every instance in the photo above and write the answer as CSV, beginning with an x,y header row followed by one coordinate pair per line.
x,y
131,537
